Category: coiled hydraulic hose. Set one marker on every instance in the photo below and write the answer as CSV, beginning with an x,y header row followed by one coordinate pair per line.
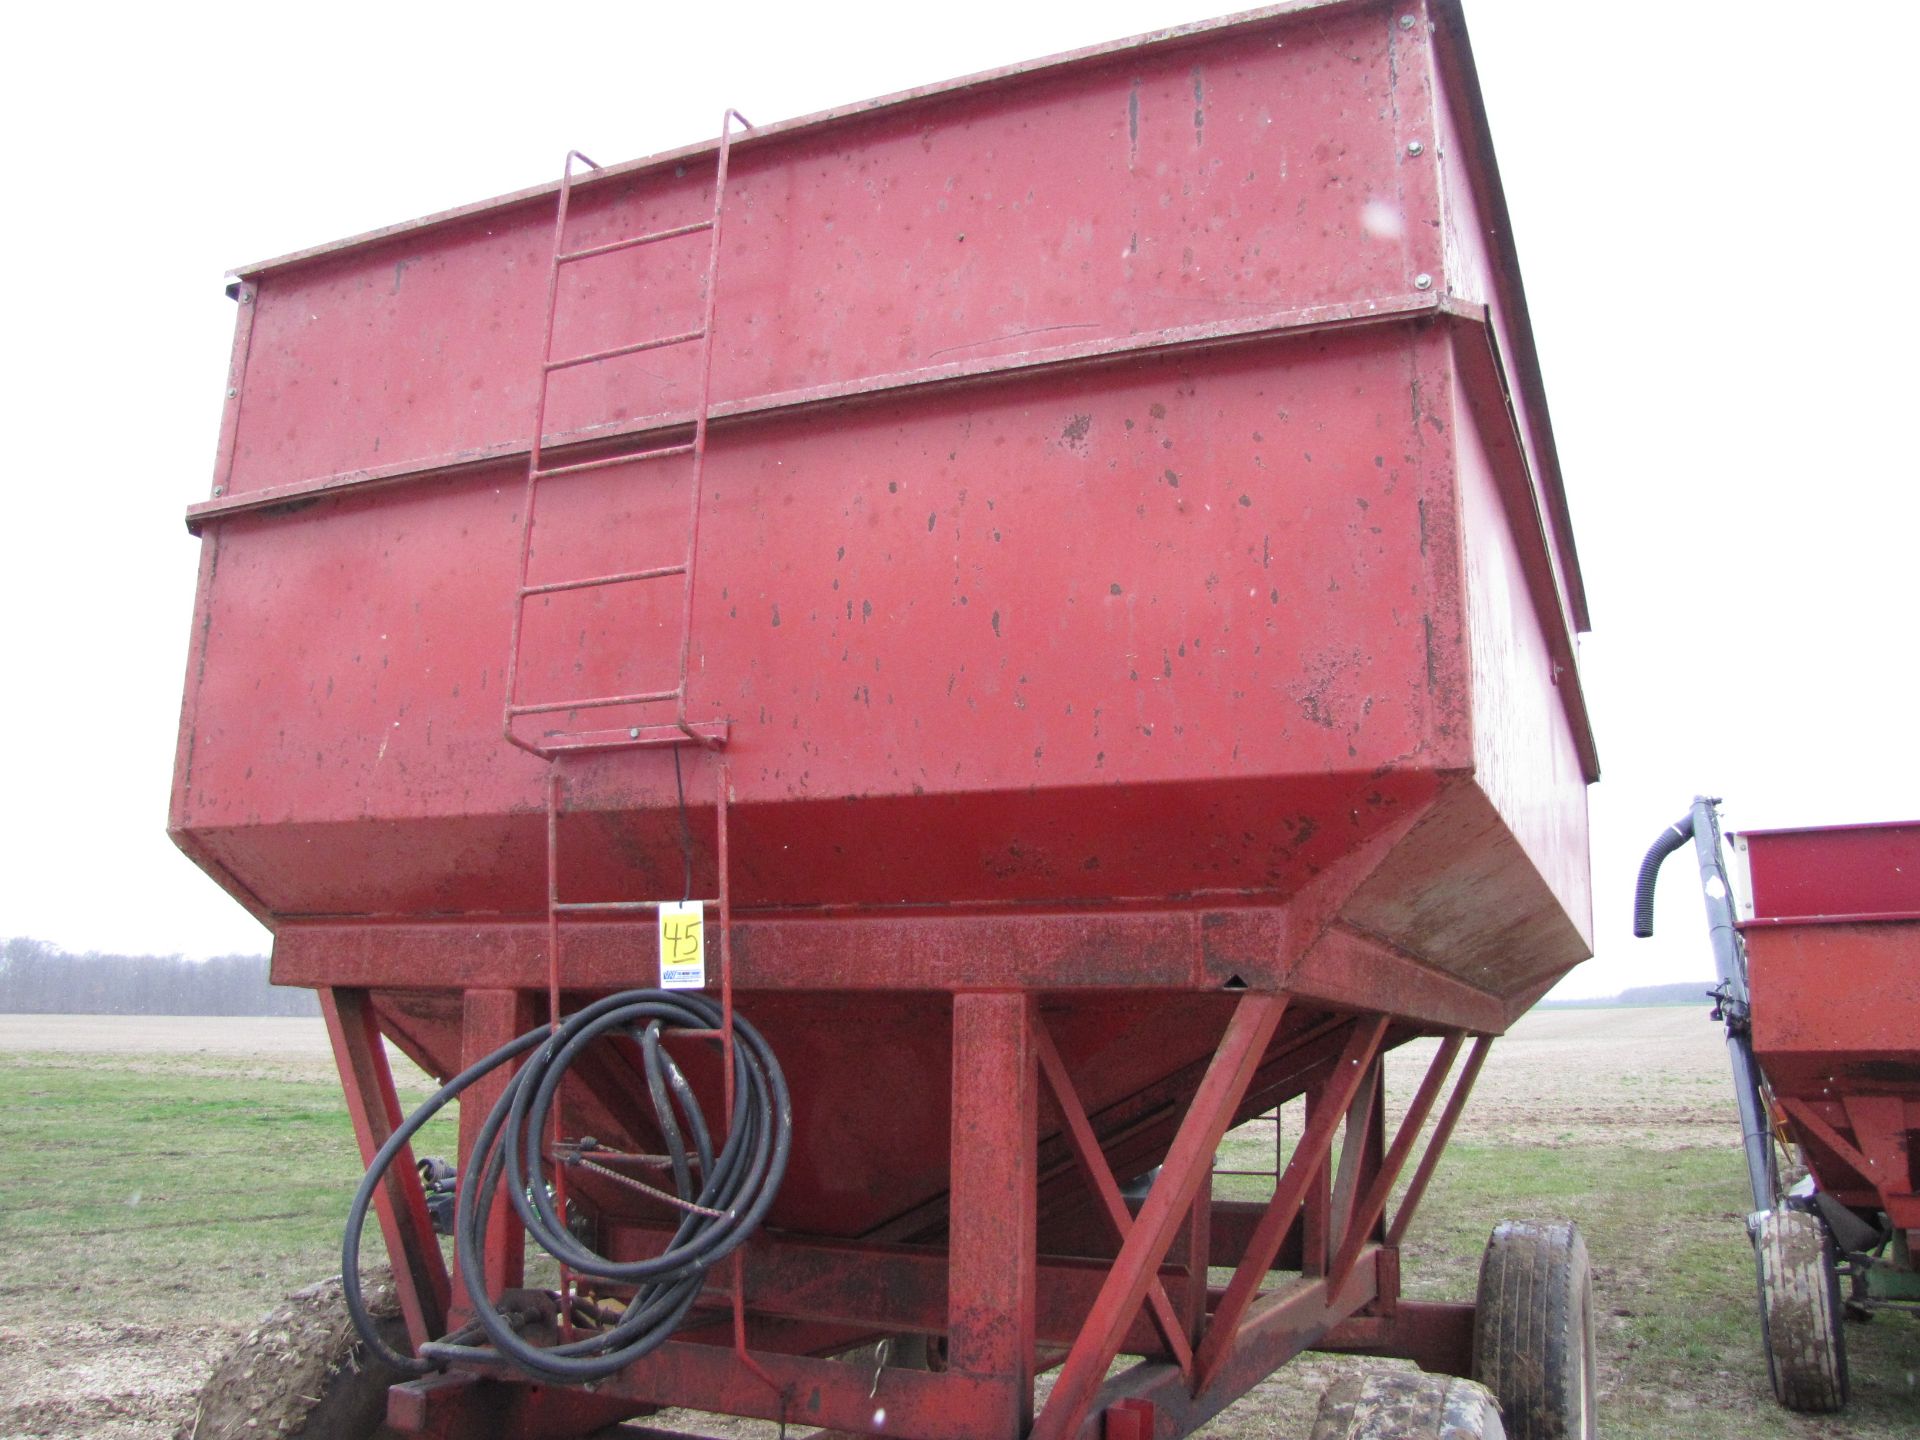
x,y
734,1188
1671,839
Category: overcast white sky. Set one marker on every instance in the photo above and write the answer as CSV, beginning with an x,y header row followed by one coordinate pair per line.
x,y
1714,212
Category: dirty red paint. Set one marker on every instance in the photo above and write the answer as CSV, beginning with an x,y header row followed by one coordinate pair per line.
x,y
1135,583
1833,964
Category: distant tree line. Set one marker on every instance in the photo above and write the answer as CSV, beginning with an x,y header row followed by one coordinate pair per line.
x,y
1679,992
41,979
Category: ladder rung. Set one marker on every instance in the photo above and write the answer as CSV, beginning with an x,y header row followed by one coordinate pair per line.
x,y
633,242
711,734
666,452
619,350
589,905
657,573
598,702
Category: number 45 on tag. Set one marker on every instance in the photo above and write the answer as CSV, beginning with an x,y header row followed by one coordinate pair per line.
x,y
683,950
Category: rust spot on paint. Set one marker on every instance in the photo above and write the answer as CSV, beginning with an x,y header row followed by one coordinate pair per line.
x,y
1314,693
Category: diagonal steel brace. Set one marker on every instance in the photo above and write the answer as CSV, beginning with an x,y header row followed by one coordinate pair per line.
x,y
1188,1163
1309,1157
1437,1142
1093,1164
419,1271
1367,1213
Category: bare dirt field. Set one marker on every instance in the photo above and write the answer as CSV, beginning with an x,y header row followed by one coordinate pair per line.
x,y
126,1035
164,1181
1652,1078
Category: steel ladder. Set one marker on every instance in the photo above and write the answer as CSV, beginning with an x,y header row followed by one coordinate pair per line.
x,y
560,745
681,729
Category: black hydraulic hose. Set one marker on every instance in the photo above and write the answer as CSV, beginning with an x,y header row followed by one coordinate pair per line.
x,y
734,1190
1671,839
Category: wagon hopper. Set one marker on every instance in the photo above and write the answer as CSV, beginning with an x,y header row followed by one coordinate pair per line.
x,y
1066,572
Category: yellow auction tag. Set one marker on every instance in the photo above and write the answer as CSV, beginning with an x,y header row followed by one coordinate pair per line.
x,y
683,950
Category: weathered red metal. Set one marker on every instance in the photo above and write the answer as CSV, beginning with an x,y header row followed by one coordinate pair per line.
x,y
1833,962
1135,591
420,1273
1844,874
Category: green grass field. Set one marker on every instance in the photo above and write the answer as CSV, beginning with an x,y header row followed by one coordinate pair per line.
x,y
168,1200
159,1194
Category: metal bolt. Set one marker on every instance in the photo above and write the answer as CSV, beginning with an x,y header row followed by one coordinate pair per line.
x,y
231,392
1423,281
1414,147
218,491
1406,22
633,733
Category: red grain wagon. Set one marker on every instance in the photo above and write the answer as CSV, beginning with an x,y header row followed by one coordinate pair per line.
x,y
1067,572
1819,974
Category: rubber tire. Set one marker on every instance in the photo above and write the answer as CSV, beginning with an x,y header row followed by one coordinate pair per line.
x,y
1801,1331
1406,1405
1533,1329
304,1346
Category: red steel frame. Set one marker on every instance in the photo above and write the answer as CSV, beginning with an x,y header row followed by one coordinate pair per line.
x,y
1315,1267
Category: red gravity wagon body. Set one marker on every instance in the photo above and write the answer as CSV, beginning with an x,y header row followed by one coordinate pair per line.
x,y
1067,570
1819,971
1842,1060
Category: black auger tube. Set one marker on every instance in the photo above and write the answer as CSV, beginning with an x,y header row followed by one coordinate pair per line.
x,y
1671,839
1702,826
731,1191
